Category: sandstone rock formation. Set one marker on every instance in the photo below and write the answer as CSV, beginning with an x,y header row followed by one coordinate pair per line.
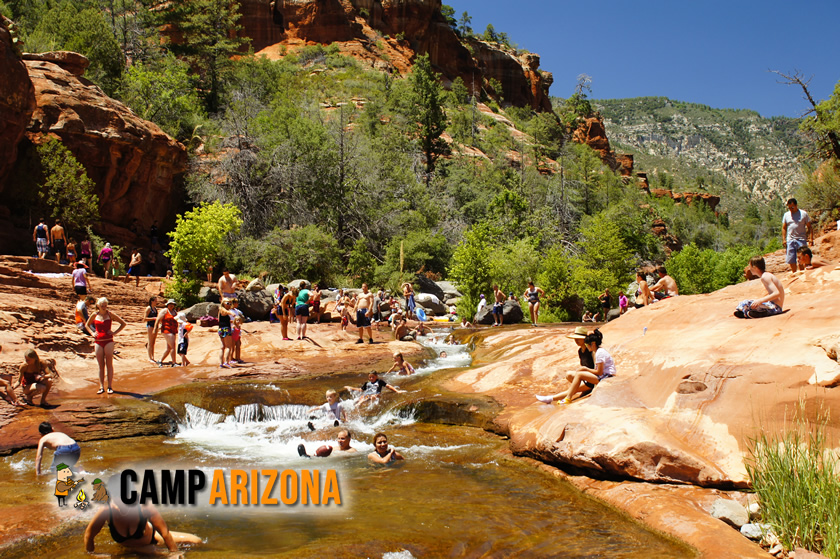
x,y
399,29
17,100
134,164
691,391
591,132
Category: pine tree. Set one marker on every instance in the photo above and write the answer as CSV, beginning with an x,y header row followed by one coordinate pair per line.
x,y
427,111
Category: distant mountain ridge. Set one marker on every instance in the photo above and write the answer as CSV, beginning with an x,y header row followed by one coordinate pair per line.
x,y
707,147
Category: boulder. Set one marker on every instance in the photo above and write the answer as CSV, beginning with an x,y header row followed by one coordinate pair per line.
x,y
430,302
425,285
453,301
256,305
511,314
272,287
731,512
755,531
256,285
449,290
612,314
296,283
209,294
201,309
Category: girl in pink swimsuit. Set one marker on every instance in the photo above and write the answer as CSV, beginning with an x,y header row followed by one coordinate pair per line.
x,y
104,341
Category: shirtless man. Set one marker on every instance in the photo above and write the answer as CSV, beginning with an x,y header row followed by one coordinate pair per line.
x,y
806,261
666,286
315,299
227,285
770,304
59,241
41,237
134,267
498,306
343,439
65,449
364,310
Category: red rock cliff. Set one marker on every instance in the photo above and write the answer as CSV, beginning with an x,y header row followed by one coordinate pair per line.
x,y
375,24
17,100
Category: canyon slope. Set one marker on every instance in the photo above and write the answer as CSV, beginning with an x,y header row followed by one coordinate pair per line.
x,y
695,385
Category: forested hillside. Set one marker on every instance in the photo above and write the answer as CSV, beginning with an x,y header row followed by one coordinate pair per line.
x,y
343,173
692,146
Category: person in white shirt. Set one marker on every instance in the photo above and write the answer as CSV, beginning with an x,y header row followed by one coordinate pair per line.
x,y
604,368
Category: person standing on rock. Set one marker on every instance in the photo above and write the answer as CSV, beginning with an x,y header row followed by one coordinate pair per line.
x,y
226,333
238,318
364,310
302,311
768,305
287,312
41,237
797,231
150,318
105,256
168,324
315,297
100,323
80,281
532,294
586,376
606,303
498,305
227,285
408,294
86,252
134,267
59,241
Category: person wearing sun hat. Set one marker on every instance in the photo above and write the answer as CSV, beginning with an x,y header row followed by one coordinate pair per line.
x,y
169,328
584,356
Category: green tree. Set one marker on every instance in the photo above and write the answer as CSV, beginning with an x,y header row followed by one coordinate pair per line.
x,y
604,263
81,27
490,34
163,92
514,264
464,25
555,279
422,251
208,36
448,13
426,110
197,239
470,268
361,264
67,190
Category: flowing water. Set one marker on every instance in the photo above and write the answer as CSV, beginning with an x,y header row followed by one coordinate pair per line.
x,y
458,493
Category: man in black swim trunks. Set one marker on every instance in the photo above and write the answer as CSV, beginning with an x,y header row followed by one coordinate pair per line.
x,y
364,310
498,305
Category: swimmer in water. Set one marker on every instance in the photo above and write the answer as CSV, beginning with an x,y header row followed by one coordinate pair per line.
x,y
381,453
400,365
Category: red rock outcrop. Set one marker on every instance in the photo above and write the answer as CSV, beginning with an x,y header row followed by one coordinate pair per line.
x,y
694,384
134,164
366,29
592,132
17,100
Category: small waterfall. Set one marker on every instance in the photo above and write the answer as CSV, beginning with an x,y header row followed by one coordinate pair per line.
x,y
198,418
250,413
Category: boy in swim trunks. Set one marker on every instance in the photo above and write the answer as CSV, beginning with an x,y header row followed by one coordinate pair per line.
x,y
768,305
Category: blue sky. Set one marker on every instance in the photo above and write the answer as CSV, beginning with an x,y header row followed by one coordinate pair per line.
x,y
711,52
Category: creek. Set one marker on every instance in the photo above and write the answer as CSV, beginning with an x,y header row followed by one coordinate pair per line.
x,y
458,493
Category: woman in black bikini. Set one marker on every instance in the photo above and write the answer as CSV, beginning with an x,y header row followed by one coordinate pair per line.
x,y
139,527
150,318
533,295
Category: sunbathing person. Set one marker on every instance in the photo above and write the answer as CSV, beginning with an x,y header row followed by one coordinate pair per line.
x,y
768,305
806,261
586,376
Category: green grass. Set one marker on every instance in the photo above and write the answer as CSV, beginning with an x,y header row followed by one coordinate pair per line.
x,y
794,475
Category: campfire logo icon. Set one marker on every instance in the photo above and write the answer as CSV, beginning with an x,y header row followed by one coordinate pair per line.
x,y
81,500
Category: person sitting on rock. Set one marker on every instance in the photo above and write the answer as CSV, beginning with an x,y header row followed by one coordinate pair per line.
x,y
806,261
35,377
643,295
586,376
587,317
402,332
768,305
665,287
466,323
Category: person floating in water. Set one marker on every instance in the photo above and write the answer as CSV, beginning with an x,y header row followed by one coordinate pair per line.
x,y
401,366
371,390
139,527
332,410
382,454
343,439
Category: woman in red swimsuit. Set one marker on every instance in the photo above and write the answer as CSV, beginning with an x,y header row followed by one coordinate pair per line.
x,y
169,328
104,341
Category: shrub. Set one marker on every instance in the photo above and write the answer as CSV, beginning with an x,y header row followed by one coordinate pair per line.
x,y
794,475
67,190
